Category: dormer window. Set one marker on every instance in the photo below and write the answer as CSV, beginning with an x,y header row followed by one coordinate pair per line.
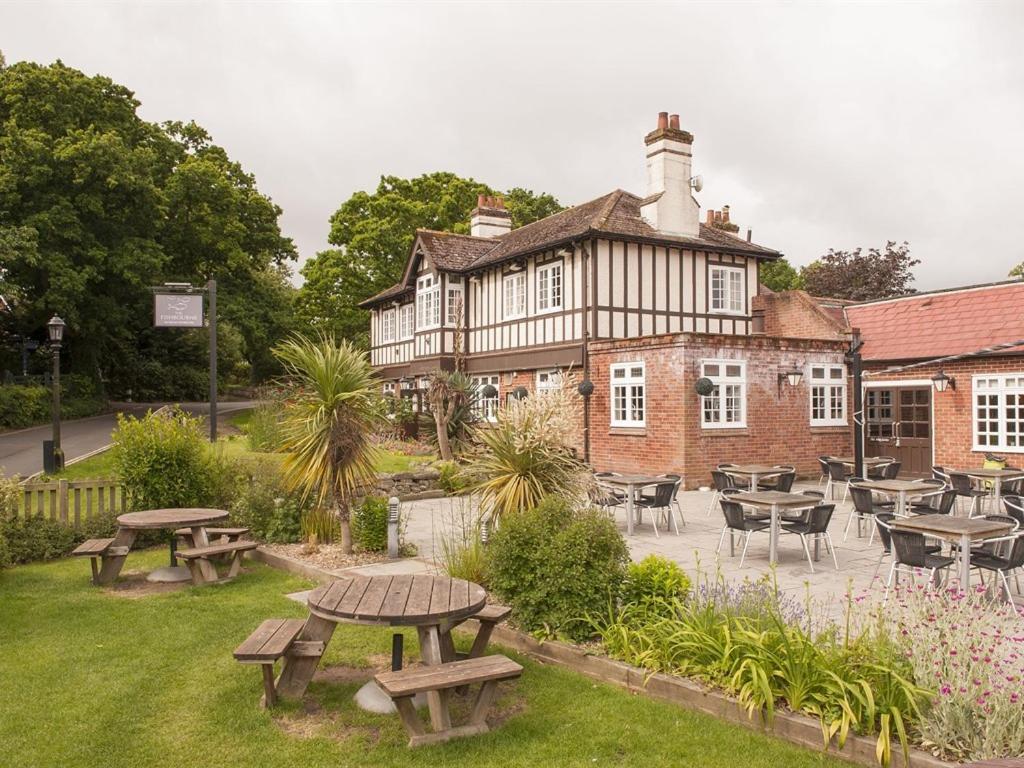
x,y
728,290
454,299
428,302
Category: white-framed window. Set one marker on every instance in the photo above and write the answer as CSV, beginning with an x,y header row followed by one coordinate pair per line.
x,y
514,293
999,412
454,301
727,289
387,326
629,395
548,381
428,302
828,394
486,408
726,406
549,287
880,408
388,388
406,321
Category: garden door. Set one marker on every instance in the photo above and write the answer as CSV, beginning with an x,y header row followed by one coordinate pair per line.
x,y
899,423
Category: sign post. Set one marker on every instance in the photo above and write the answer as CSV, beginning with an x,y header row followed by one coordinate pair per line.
x,y
179,305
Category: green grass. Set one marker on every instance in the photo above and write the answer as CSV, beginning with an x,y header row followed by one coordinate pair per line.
x,y
392,461
92,678
99,466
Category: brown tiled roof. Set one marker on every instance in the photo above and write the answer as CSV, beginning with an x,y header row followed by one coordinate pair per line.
x,y
930,325
616,214
394,291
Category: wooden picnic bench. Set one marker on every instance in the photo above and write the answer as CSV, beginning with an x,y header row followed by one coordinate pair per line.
x,y
196,557
402,685
271,641
97,550
220,535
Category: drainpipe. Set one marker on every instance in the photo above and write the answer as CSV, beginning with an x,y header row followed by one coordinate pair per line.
x,y
854,359
585,265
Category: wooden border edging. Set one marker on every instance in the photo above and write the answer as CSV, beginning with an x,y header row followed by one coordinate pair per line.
x,y
795,728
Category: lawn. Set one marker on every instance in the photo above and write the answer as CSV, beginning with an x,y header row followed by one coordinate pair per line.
x,y
93,677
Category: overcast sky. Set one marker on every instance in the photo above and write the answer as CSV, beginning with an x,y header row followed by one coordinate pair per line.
x,y
821,125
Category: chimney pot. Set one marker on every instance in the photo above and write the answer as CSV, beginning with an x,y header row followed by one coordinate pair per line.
x,y
480,201
673,122
711,216
750,234
725,214
662,121
500,202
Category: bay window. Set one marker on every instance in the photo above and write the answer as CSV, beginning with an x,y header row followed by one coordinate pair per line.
x,y
428,302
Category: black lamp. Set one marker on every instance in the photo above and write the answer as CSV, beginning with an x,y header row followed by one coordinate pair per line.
x,y
56,329
586,388
488,391
520,393
793,376
943,382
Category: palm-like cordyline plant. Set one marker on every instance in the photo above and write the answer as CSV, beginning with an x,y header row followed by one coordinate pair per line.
x,y
328,422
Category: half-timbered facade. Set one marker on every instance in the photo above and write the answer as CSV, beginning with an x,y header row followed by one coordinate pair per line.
x,y
616,272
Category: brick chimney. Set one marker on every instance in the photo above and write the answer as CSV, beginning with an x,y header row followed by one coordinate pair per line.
x,y
669,207
489,218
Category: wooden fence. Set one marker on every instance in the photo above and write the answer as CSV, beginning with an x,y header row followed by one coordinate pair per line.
x,y
72,501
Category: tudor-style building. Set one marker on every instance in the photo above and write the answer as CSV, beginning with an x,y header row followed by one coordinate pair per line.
x,y
635,294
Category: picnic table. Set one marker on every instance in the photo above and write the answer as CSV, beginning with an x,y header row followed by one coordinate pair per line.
x,y
753,472
775,502
957,530
432,604
631,483
900,488
995,476
113,552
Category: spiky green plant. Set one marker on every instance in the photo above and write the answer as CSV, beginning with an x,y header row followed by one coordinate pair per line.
x,y
328,422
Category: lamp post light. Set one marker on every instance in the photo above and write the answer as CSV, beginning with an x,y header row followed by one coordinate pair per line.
x,y
56,330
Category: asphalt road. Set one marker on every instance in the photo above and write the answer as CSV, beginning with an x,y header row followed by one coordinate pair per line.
x,y
21,451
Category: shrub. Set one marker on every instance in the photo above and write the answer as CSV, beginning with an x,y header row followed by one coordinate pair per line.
x,y
163,460
655,581
260,502
37,538
450,477
320,525
263,429
370,524
460,543
5,552
556,565
23,406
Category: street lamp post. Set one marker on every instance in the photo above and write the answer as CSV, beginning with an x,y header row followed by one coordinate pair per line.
x,y
56,331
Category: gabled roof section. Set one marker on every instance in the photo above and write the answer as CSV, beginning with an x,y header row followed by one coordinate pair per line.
x,y
941,323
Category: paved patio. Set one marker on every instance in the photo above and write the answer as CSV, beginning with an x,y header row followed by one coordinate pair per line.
x,y
694,547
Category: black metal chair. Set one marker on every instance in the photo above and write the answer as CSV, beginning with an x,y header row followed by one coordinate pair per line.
x,y
837,473
678,479
722,482
863,506
877,472
737,522
883,522
892,470
940,474
816,527
1014,506
1002,564
910,554
660,503
781,479
823,463
608,497
938,502
965,489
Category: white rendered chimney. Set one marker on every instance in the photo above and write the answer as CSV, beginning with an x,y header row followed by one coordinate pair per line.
x,y
489,218
669,207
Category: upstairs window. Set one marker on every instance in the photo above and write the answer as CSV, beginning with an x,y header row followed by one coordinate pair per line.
x,y
828,395
428,302
454,313
387,326
514,292
549,287
727,290
406,321
629,395
726,406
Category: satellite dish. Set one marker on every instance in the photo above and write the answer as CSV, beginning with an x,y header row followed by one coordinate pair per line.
x,y
697,183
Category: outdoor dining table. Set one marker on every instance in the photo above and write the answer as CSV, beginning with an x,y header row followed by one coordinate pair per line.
x,y
957,530
996,476
631,483
901,489
868,461
432,604
753,472
775,502
129,525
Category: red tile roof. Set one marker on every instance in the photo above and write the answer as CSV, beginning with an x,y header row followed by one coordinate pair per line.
x,y
942,323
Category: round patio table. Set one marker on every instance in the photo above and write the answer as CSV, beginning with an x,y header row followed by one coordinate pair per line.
x,y
432,604
129,525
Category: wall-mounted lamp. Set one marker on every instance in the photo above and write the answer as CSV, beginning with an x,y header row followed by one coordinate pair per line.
x,y
793,377
585,388
943,382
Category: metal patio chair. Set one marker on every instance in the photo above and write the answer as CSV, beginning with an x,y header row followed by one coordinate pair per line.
x,y
737,522
815,527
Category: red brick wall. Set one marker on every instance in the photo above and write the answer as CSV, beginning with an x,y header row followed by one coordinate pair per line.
x,y
952,410
778,427
792,314
528,379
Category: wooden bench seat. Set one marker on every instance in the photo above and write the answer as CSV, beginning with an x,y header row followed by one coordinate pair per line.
x,y
269,642
402,685
96,550
194,555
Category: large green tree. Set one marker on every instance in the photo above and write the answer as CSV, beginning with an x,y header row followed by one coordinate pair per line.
x,y
373,233
877,274
97,205
780,275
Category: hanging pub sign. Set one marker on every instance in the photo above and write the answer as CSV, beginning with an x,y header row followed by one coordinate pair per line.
x,y
177,310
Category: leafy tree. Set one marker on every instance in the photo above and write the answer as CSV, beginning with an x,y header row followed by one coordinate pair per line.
x,y
373,233
879,274
780,276
328,422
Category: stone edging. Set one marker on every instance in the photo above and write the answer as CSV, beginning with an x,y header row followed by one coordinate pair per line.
x,y
789,726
